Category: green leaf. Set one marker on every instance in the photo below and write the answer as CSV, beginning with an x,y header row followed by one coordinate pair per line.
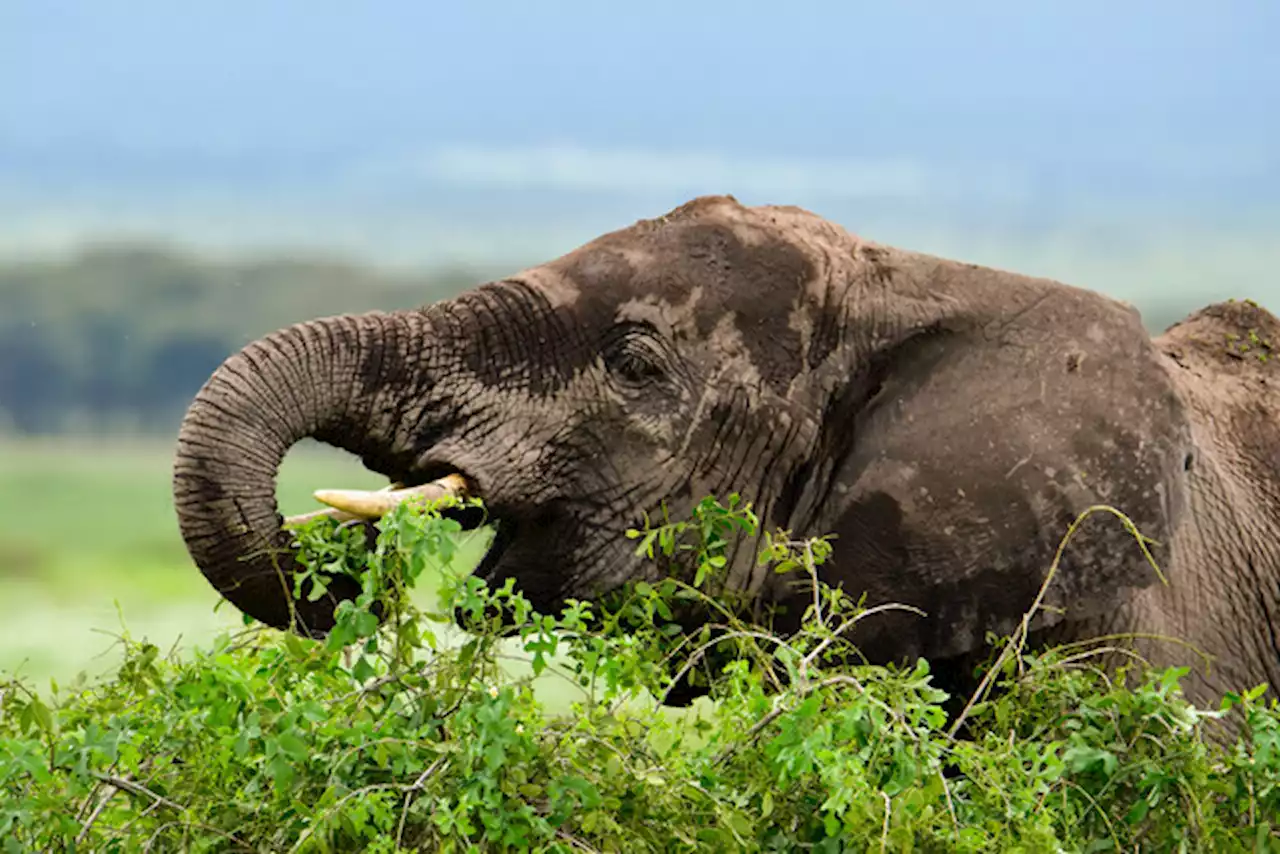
x,y
36,715
362,670
1137,812
291,745
366,624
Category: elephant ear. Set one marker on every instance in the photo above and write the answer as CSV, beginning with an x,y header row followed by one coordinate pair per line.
x,y
982,447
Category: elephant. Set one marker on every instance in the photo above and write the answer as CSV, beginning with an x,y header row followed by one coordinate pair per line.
x,y
944,423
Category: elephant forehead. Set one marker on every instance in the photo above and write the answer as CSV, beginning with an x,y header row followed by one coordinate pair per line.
x,y
738,262
677,317
724,283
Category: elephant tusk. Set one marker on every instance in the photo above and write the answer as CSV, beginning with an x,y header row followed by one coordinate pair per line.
x,y
362,504
332,512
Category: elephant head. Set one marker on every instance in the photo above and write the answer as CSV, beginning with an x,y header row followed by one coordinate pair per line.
x,y
945,422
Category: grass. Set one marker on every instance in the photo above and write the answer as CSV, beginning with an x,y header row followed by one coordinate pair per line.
x,y
88,537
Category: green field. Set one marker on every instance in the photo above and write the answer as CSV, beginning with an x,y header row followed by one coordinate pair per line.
x,y
88,537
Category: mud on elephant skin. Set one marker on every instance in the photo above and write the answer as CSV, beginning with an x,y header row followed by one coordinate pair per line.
x,y
945,421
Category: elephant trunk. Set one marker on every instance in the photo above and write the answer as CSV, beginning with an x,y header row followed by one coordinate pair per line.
x,y
341,380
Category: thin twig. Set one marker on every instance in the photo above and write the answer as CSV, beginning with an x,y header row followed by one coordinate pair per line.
x,y
372,685
152,807
158,800
103,800
575,842
126,785
849,623
408,796
89,798
151,840
701,652
364,790
812,571
951,807
888,811
780,709
1018,639
1094,805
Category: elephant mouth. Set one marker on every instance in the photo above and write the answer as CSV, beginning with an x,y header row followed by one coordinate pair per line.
x,y
354,505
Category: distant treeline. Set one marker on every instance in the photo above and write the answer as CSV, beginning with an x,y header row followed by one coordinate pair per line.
x,y
119,338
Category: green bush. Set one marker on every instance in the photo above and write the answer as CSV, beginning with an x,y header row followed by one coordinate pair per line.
x,y
381,738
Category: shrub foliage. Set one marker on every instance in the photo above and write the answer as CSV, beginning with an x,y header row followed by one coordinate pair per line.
x,y
384,738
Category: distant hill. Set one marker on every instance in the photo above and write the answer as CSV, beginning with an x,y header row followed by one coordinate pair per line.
x,y
121,337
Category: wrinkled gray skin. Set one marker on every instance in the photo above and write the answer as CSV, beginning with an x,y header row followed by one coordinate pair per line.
x,y
946,422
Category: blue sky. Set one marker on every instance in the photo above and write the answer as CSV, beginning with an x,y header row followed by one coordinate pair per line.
x,y
430,132
328,76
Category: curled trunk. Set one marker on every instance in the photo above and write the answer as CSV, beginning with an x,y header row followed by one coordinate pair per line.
x,y
325,379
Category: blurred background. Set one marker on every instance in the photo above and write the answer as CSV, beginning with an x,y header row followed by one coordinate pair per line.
x,y
177,179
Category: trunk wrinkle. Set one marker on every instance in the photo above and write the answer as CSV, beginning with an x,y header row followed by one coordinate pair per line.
x,y
271,403
326,379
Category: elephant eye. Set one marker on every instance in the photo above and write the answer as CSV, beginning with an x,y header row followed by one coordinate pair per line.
x,y
634,355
